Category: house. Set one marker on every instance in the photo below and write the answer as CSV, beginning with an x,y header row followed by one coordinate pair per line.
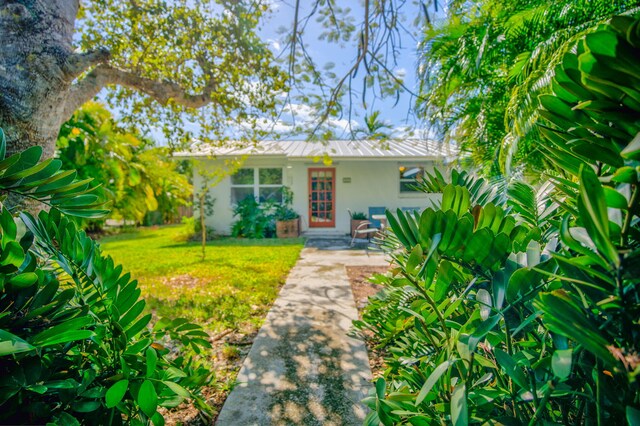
x,y
326,178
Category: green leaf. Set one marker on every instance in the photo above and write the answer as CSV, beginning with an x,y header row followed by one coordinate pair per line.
x,y
64,332
27,158
380,388
432,380
151,361
625,174
632,151
615,199
593,212
11,344
561,363
147,398
12,254
85,406
459,411
415,260
177,389
9,228
633,416
157,419
23,280
3,145
564,316
511,368
138,326
482,330
116,392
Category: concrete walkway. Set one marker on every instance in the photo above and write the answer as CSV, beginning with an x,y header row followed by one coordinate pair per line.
x,y
303,369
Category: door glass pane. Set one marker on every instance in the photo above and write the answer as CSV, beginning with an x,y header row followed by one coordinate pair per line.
x,y
243,177
239,194
270,176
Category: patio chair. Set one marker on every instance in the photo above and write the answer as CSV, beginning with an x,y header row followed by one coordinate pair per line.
x,y
363,230
376,211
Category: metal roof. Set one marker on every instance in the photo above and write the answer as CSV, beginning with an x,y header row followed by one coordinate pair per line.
x,y
415,149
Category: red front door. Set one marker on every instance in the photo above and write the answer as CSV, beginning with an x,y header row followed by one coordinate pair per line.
x,y
322,195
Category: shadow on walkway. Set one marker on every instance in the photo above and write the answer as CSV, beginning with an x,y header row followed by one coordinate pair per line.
x,y
303,369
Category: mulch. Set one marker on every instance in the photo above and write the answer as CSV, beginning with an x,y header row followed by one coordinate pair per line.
x,y
362,289
230,348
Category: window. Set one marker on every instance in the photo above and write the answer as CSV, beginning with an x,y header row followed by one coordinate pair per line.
x,y
409,177
264,184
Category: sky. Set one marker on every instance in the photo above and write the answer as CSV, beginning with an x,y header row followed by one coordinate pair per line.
x,y
396,113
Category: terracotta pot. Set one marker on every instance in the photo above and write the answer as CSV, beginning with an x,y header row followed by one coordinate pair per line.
x,y
354,224
288,228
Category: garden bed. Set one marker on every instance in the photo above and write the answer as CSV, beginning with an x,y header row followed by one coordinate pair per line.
x,y
362,289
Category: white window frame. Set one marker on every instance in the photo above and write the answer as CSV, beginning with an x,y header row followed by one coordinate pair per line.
x,y
256,182
408,180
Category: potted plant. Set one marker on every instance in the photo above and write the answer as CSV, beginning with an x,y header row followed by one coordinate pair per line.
x,y
287,220
356,220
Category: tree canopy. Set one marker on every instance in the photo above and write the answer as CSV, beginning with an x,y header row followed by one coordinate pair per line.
x,y
161,61
483,67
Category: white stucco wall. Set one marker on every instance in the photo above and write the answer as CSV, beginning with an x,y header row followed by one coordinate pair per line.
x,y
372,183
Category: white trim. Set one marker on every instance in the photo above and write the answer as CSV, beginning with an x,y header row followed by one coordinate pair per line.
x,y
256,185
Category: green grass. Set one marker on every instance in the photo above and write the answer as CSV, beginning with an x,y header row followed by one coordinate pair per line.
x,y
233,287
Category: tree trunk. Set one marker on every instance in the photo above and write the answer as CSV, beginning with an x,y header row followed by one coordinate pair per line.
x,y
37,68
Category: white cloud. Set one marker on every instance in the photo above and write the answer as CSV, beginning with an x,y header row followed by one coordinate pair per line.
x,y
275,44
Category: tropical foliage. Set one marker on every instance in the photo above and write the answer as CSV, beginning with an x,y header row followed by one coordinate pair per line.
x,y
483,67
524,308
255,220
74,347
136,177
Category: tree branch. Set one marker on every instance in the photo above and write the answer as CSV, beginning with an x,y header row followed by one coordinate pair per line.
x,y
162,91
78,63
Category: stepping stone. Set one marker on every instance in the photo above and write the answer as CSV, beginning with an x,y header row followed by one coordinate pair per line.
x,y
303,369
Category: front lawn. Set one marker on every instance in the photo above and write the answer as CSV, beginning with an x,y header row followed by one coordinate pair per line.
x,y
232,289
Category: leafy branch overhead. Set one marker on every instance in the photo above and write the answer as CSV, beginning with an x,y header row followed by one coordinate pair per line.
x,y
183,55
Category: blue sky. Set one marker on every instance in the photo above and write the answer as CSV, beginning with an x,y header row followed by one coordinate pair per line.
x,y
396,113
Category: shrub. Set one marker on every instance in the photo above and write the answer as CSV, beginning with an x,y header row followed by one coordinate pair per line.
x,y
524,308
255,220
284,211
75,346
